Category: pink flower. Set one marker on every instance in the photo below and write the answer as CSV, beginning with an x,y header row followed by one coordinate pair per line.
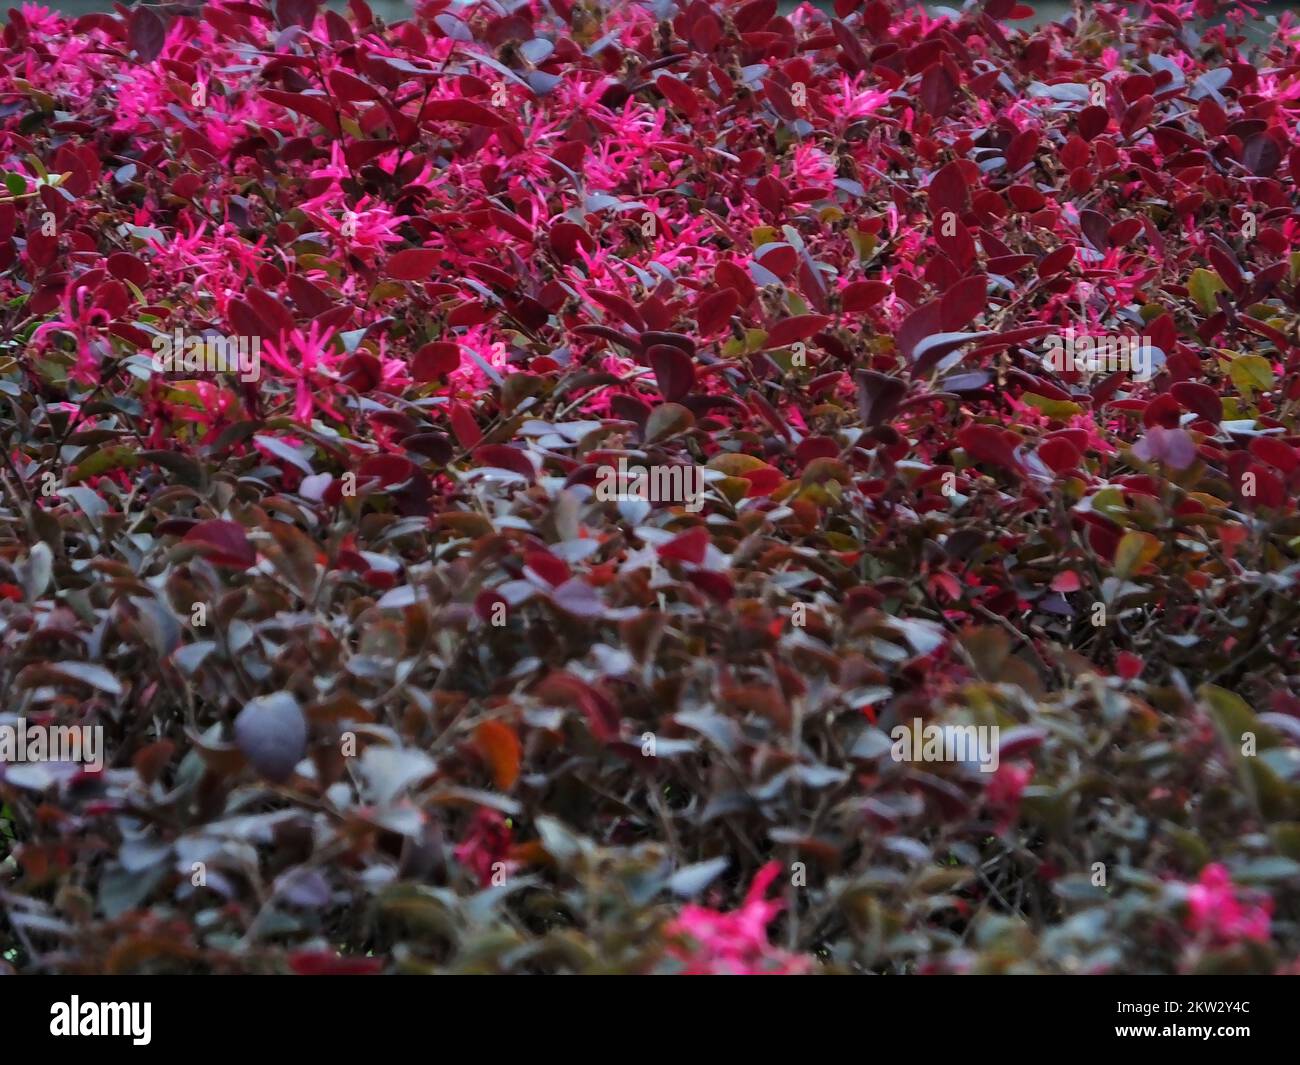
x,y
484,849
1217,911
306,360
1005,789
82,319
735,943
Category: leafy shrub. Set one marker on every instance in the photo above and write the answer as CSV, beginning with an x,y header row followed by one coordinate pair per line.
x,y
388,684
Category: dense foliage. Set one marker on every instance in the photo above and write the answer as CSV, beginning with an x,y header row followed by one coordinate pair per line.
x,y
386,685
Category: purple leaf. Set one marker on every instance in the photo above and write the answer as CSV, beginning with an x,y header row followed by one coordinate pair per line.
x,y
1174,447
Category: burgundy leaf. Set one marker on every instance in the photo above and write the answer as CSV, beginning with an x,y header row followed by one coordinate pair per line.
x,y
878,396
984,443
227,544
789,330
413,264
964,302
674,372
146,33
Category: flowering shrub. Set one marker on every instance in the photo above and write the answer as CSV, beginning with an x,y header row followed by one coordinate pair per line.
x,y
1215,908
651,487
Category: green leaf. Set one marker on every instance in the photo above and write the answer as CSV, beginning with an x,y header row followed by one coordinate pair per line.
x,y
1135,550
1203,285
119,457
1251,373
1053,408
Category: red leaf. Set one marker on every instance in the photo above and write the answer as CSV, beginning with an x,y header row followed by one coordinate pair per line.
x,y
1054,262
1093,122
1198,398
459,110
781,260
325,963
1066,581
1277,454
850,45
986,444
1021,150
964,302
1128,665
716,586
714,310
464,426
413,264
566,238
938,90
385,472
620,308
316,107
602,717
679,94
763,481
358,153
1059,454
948,191
925,321
434,360
295,13
689,546
863,295
780,99
673,369
227,542
551,570
1026,198
505,457
349,87
1006,265
800,327
1122,233
125,265
146,33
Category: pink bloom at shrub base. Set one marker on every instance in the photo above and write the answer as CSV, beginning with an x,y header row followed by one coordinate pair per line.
x,y
735,943
1218,911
